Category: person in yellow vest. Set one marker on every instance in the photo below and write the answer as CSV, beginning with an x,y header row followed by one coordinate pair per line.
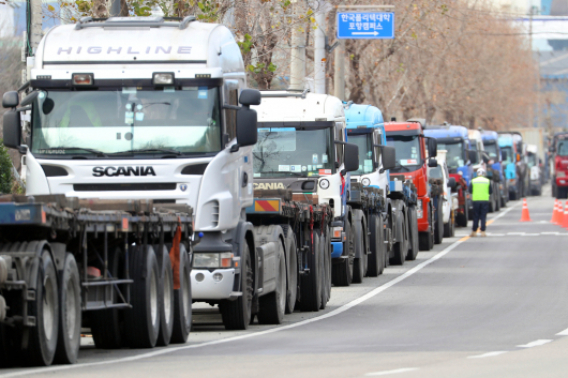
x,y
480,189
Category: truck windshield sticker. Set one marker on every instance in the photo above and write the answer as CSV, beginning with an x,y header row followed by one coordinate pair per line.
x,y
324,172
129,117
173,89
140,116
129,90
283,168
324,158
295,168
315,158
202,93
409,162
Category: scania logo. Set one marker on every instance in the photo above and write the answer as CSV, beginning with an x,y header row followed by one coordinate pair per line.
x,y
268,186
123,171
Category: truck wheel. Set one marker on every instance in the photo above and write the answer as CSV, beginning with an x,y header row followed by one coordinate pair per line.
x,y
425,239
377,256
310,288
237,314
142,321
45,308
413,234
182,299
448,226
166,296
273,305
292,268
360,263
327,266
70,313
107,326
401,246
342,270
439,217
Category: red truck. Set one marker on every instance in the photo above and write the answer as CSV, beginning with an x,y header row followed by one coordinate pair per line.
x,y
559,149
413,151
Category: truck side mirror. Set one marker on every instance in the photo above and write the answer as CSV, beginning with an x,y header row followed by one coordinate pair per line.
x,y
485,157
10,99
452,183
504,155
432,163
389,158
472,156
351,157
551,149
247,134
432,147
12,129
250,97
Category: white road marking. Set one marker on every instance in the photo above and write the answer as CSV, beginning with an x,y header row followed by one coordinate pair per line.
x,y
388,372
535,343
337,311
563,333
489,354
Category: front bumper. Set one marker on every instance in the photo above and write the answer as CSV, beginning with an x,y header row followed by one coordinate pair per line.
x,y
562,181
205,287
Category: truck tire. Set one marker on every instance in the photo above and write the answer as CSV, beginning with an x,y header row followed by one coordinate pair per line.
x,y
310,287
237,314
342,270
327,267
425,238
70,312
45,308
182,299
142,321
378,254
450,226
439,222
401,246
166,296
360,264
273,305
107,326
291,268
413,234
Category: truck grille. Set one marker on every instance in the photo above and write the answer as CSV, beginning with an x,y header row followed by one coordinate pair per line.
x,y
124,187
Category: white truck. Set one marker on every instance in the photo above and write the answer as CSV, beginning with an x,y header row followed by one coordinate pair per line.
x,y
148,108
302,146
447,184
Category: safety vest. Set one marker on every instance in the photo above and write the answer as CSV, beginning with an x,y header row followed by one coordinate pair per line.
x,y
480,189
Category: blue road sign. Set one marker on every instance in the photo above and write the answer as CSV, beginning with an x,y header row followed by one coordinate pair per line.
x,y
365,25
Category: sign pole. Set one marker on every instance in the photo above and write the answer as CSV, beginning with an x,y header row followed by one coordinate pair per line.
x,y
339,72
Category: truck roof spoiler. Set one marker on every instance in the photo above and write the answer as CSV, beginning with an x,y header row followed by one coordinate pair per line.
x,y
286,93
421,121
134,22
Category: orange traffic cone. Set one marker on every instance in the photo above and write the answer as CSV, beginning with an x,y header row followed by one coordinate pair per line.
x,y
564,223
555,213
560,214
525,217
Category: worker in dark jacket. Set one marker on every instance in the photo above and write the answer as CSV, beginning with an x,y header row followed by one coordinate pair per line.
x,y
480,189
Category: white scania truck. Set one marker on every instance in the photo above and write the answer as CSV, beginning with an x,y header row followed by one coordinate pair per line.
x,y
148,108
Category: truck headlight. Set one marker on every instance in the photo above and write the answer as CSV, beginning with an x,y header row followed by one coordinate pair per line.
x,y
213,260
419,210
366,182
324,184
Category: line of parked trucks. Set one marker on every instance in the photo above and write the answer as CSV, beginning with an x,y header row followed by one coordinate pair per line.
x,y
155,179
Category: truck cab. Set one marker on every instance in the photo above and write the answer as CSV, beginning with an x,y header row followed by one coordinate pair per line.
x,y
534,167
559,149
484,162
491,146
511,156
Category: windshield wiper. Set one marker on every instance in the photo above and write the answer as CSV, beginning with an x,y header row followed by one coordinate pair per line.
x,y
402,166
96,152
166,150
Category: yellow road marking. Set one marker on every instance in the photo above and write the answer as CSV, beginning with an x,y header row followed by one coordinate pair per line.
x,y
464,238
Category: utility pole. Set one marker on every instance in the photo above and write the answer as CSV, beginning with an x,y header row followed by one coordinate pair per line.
x,y
319,47
531,108
298,53
36,23
339,72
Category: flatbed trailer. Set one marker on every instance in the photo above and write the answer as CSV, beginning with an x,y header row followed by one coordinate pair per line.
x,y
306,240
119,267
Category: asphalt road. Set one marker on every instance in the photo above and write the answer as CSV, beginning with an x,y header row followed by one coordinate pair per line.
x,y
472,307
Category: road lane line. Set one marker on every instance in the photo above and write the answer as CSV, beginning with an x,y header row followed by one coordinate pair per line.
x,y
563,333
535,343
337,311
388,372
489,354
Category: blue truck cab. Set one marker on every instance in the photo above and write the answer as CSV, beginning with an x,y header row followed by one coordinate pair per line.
x,y
491,146
507,145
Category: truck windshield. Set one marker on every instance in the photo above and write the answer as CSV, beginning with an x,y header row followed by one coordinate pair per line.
x,y
407,152
455,154
491,149
562,149
285,151
365,144
127,120
509,152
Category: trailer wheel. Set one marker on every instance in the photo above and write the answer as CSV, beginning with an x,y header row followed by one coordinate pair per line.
x,y
182,300
342,270
439,222
273,305
292,268
401,246
166,296
377,256
237,314
142,321
310,287
70,313
361,263
326,256
107,326
413,234
45,308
